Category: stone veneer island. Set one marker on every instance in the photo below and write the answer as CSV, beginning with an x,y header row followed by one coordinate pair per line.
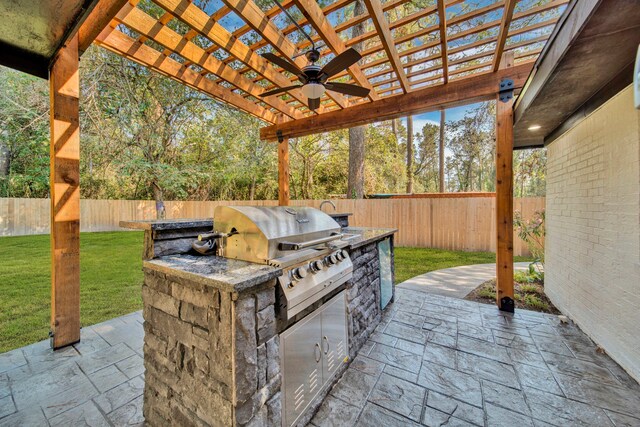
x,y
212,346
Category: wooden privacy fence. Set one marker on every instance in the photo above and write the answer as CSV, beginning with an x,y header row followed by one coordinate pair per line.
x,y
457,223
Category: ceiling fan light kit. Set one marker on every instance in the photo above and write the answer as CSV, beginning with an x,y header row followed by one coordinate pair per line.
x,y
313,90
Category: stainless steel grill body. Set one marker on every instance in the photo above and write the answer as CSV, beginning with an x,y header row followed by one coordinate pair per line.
x,y
305,242
261,230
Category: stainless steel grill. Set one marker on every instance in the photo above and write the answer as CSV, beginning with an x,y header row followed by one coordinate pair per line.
x,y
305,242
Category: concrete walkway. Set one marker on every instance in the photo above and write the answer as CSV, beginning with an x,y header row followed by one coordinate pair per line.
x,y
455,282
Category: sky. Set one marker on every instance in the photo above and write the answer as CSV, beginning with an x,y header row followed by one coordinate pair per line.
x,y
452,114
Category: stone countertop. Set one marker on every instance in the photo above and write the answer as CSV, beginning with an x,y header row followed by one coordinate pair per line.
x,y
364,235
228,275
167,224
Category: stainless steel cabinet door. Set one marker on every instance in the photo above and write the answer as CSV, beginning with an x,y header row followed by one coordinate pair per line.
x,y
334,335
302,365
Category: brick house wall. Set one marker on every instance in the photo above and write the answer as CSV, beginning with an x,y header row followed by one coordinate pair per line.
x,y
593,227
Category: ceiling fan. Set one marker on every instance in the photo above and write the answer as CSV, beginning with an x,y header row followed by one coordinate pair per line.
x,y
313,78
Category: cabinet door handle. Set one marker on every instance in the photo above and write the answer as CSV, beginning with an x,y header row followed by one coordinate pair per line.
x,y
327,341
317,352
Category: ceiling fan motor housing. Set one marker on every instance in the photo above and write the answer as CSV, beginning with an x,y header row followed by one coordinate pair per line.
x,y
313,55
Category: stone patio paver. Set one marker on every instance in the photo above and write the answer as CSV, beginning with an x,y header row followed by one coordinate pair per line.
x,y
97,382
433,361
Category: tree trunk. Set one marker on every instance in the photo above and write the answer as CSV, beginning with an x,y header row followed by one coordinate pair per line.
x,y
441,151
252,189
355,183
4,160
157,195
409,154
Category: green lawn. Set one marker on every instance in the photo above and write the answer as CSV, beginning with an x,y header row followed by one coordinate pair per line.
x,y
111,277
411,262
110,274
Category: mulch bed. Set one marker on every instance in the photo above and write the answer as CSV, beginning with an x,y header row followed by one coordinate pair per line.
x,y
528,296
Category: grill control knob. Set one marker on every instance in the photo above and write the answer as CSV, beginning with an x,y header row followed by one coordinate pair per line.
x,y
315,266
300,273
331,260
341,255
344,253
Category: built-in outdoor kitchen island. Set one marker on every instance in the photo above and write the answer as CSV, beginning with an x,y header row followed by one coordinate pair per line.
x,y
257,330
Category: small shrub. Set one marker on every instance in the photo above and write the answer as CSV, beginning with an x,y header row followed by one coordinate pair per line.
x,y
530,289
532,301
532,232
487,292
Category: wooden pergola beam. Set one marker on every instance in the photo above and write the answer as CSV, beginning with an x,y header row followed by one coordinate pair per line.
x,y
311,10
148,27
64,93
459,92
256,19
124,45
503,32
98,19
504,196
442,28
380,22
283,172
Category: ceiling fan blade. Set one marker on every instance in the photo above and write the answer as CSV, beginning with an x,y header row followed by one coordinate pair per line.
x,y
290,67
341,62
314,103
279,90
348,89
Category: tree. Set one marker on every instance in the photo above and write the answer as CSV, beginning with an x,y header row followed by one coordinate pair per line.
x,y
426,171
147,116
410,170
443,122
24,135
472,141
355,187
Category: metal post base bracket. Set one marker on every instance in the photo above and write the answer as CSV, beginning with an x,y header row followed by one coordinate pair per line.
x,y
507,304
506,90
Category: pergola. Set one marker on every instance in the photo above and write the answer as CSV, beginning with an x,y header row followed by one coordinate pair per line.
x,y
451,53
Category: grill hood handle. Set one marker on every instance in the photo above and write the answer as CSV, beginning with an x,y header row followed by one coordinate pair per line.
x,y
292,246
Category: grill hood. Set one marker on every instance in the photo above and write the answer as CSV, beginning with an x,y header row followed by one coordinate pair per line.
x,y
260,234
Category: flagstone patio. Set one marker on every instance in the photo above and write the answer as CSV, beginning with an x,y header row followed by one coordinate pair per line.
x,y
433,361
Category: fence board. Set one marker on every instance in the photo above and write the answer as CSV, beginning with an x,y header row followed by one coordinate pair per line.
x,y
456,223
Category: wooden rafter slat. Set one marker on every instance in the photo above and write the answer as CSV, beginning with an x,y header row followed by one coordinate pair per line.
x,y
382,26
257,20
197,19
442,28
503,32
457,20
126,46
453,21
316,18
148,27
343,26
461,35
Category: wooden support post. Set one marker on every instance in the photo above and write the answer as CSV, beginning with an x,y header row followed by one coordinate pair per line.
x,y
64,90
504,195
283,171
